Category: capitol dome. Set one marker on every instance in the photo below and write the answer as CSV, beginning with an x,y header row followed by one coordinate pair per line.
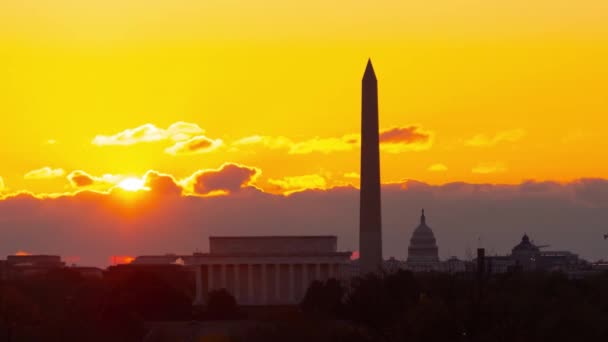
x,y
423,246
525,246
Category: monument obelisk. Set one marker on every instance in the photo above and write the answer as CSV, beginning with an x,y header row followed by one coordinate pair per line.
x,y
370,220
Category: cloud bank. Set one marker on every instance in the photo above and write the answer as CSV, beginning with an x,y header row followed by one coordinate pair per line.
x,y
94,225
230,178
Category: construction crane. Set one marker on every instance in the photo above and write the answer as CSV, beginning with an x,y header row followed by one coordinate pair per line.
x,y
540,246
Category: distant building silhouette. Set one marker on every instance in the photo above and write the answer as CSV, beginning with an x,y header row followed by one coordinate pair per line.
x,y
258,270
16,266
370,221
526,256
423,246
423,253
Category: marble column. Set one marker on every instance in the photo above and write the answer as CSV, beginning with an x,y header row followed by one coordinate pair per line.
x,y
237,284
264,285
277,283
211,279
318,272
223,277
305,279
198,300
292,284
250,284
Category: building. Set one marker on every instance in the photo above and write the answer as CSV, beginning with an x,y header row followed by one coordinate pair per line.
x,y
261,270
88,272
28,265
423,253
526,256
267,270
37,261
499,264
370,220
452,265
560,260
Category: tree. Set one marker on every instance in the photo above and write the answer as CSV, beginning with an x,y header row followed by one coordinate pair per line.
x,y
221,305
324,299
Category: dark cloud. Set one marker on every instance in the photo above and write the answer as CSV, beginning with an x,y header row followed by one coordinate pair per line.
x,y
94,226
198,144
404,135
230,178
80,179
592,190
161,184
539,187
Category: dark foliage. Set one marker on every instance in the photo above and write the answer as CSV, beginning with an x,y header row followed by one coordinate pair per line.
x,y
60,305
324,299
221,305
514,307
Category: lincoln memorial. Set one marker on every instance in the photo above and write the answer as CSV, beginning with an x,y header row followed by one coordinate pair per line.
x,y
263,270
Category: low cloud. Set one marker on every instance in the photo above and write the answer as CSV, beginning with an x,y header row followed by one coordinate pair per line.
x,y
266,141
403,139
439,167
489,167
80,179
2,186
326,145
352,175
298,183
196,145
230,178
149,133
44,173
94,226
484,140
313,145
162,184
394,140
592,190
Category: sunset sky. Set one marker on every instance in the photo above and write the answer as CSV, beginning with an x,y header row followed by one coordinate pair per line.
x,y
94,94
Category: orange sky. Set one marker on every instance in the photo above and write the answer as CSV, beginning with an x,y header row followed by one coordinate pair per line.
x,y
490,91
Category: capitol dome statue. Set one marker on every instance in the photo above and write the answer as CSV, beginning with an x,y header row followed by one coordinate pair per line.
x,y
423,247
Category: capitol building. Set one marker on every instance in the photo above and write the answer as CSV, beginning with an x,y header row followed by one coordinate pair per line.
x,y
423,253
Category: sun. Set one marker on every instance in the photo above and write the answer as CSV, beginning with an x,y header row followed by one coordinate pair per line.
x,y
132,184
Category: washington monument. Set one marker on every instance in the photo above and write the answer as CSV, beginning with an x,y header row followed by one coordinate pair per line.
x,y
370,221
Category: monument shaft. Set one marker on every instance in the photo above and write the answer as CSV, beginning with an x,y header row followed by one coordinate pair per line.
x,y
370,221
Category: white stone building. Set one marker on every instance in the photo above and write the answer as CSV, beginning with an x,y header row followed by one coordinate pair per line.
x,y
262,270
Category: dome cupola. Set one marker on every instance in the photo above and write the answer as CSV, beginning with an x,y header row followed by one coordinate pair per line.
x,y
423,246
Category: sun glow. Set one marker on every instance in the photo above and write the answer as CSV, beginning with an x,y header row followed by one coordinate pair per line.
x,y
132,184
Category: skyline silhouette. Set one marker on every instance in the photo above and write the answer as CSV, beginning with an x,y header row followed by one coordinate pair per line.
x,y
241,171
111,216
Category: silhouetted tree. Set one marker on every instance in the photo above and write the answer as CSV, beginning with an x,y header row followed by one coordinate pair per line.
x,y
150,297
221,305
378,302
324,299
